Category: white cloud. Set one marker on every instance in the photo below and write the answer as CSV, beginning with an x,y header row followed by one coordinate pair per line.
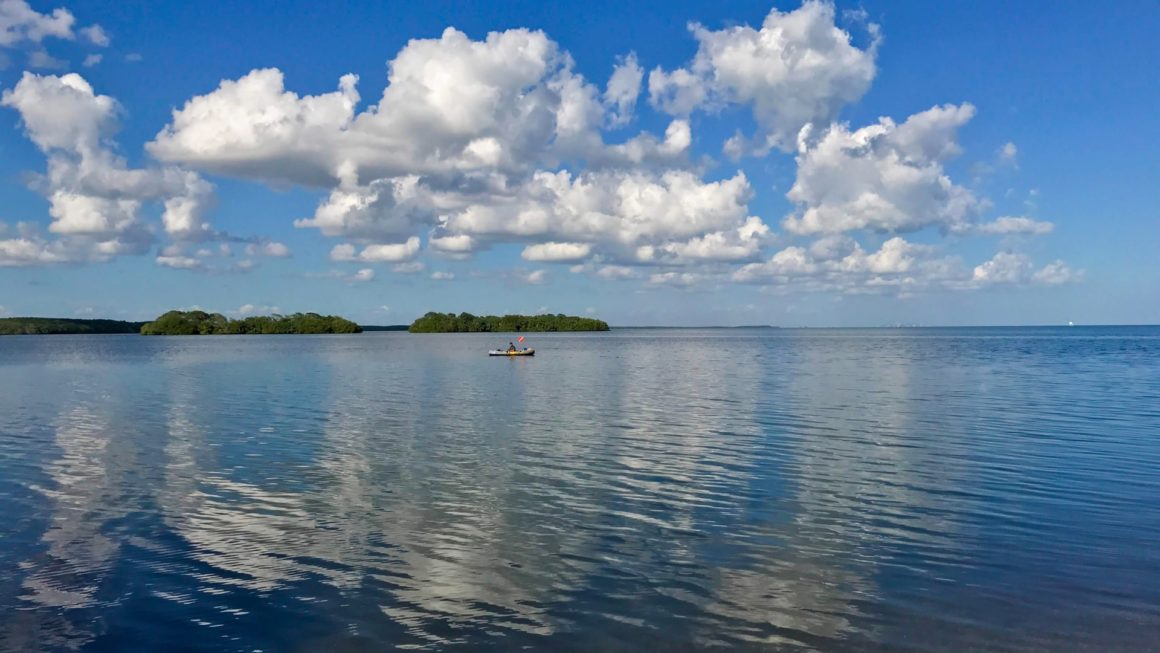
x,y
180,262
1008,153
623,90
452,106
556,252
392,253
461,123
883,177
452,244
384,208
181,256
1056,273
134,57
630,216
365,274
616,272
442,276
535,277
20,23
92,60
677,279
29,247
96,35
254,127
18,252
42,60
798,69
474,144
789,262
1013,268
842,265
410,267
91,191
63,113
1004,267
268,248
1008,226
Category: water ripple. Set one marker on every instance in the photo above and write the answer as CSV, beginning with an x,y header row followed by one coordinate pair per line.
x,y
918,490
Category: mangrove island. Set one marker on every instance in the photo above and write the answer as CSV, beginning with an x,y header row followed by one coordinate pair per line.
x,y
468,323
40,326
200,323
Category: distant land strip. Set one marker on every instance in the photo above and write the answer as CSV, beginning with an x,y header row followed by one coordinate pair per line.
x,y
35,326
468,323
200,323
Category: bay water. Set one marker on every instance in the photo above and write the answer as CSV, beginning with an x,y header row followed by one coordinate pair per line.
x,y
637,490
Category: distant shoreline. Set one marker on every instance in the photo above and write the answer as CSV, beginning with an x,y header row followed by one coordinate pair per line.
x,y
47,326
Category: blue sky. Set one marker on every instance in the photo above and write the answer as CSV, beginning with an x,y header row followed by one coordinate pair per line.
x,y
686,163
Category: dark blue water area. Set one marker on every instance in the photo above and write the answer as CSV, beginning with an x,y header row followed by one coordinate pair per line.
x,y
652,489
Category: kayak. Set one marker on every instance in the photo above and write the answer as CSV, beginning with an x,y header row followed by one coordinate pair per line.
x,y
521,352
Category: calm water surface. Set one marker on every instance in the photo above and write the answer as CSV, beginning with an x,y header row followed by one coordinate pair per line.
x,y
903,490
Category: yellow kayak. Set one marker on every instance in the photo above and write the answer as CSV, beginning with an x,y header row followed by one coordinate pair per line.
x,y
518,352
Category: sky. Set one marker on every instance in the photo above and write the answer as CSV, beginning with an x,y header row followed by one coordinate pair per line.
x,y
679,163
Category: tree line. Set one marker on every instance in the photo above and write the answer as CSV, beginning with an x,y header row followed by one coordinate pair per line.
x,y
467,323
195,323
13,326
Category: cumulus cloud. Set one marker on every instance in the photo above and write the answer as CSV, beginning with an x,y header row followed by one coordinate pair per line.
x,y
392,253
841,264
92,60
884,177
673,217
254,127
797,69
452,106
461,123
212,260
616,272
384,208
365,274
96,35
91,191
623,90
556,252
1008,226
1011,268
180,262
42,60
442,276
477,144
677,279
410,267
268,248
1055,273
1004,267
28,246
1008,153
20,23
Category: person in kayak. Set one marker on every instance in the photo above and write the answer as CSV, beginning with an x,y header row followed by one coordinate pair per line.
x,y
511,347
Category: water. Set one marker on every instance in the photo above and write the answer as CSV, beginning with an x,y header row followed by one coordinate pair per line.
x,y
903,490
